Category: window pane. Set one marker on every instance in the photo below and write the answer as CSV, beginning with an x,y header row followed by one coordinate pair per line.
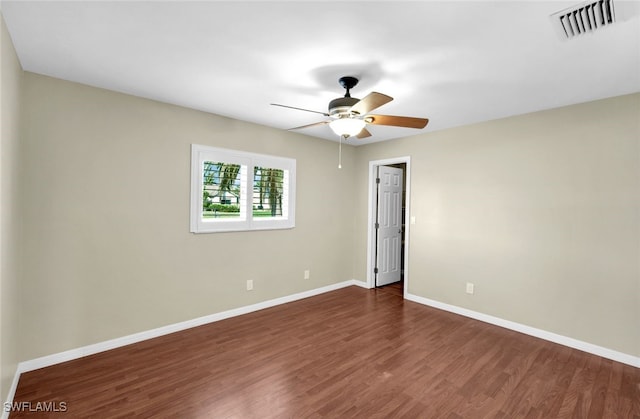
x,y
269,192
239,191
221,191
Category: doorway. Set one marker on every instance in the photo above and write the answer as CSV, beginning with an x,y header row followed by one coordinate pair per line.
x,y
383,265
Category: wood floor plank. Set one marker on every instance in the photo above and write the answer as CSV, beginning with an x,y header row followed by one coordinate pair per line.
x,y
351,353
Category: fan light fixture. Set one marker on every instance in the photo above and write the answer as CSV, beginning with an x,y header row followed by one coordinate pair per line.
x,y
347,127
352,114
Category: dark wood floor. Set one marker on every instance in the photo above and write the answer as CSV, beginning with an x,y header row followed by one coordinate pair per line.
x,y
348,353
396,288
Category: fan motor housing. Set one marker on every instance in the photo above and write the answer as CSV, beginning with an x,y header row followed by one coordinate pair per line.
x,y
341,105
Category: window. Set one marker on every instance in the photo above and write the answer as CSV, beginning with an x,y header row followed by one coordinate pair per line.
x,y
235,191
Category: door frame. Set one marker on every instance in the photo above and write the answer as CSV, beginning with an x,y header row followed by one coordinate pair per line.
x,y
371,233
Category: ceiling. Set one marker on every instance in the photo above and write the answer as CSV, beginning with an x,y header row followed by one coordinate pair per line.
x,y
453,62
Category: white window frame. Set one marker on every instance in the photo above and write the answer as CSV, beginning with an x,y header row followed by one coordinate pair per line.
x,y
202,153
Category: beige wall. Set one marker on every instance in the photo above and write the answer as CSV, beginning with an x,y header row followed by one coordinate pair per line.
x,y
107,245
10,86
541,212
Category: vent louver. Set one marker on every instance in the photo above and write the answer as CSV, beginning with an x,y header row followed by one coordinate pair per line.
x,y
584,18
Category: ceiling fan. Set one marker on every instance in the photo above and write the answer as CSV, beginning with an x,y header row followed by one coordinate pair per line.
x,y
350,115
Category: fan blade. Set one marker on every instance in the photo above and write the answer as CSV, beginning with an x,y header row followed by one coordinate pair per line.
x,y
370,102
363,134
299,109
310,125
396,121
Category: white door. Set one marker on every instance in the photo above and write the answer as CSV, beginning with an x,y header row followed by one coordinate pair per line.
x,y
389,225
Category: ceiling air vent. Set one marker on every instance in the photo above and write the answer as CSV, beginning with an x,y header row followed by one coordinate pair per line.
x,y
583,18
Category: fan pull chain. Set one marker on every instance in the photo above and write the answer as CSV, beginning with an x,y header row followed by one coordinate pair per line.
x,y
340,151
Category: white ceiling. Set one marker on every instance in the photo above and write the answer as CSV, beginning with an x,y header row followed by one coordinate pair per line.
x,y
453,62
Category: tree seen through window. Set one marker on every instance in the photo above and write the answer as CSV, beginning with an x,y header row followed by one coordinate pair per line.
x,y
222,190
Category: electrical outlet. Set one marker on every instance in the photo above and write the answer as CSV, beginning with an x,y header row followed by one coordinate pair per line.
x,y
249,284
469,288
307,274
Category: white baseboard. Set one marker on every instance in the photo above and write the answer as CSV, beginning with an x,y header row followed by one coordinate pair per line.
x,y
12,392
532,331
358,283
72,354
